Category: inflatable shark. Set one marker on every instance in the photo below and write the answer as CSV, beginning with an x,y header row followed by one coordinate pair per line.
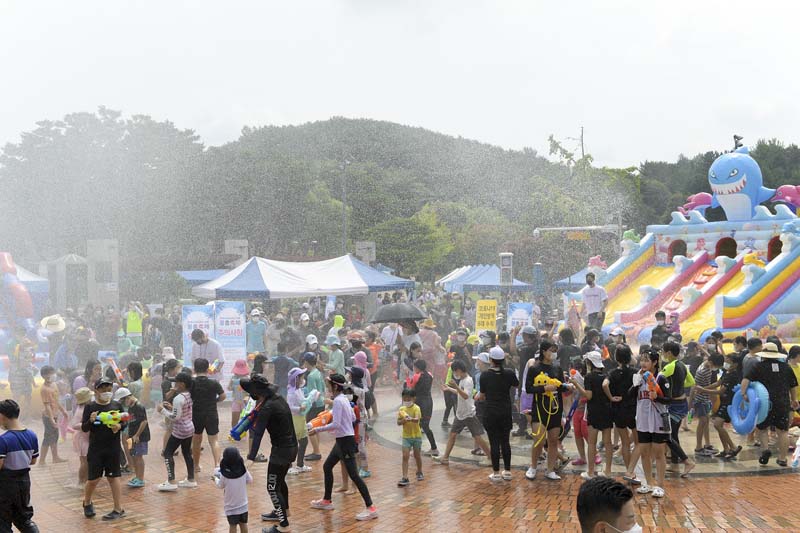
x,y
736,181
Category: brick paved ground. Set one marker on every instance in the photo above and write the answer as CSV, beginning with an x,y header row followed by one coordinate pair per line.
x,y
454,498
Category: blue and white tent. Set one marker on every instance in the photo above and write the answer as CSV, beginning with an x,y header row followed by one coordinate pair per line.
x,y
573,282
264,278
198,277
480,278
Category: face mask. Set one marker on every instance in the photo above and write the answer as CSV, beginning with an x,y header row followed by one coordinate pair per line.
x,y
660,322
408,404
105,396
635,529
726,366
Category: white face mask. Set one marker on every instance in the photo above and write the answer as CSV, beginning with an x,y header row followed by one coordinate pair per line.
x,y
726,366
660,323
408,404
105,396
635,529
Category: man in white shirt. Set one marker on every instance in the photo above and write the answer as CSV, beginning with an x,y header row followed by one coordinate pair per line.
x,y
204,347
466,415
594,303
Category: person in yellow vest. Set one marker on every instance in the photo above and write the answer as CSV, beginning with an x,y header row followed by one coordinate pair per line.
x,y
133,323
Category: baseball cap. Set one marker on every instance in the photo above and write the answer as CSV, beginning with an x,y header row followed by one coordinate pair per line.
x,y
304,316
483,357
497,353
102,381
121,393
310,357
311,339
595,358
617,331
305,305
528,330
255,312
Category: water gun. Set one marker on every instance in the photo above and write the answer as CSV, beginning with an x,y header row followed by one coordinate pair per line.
x,y
577,376
244,424
117,371
213,368
111,418
543,379
652,384
323,419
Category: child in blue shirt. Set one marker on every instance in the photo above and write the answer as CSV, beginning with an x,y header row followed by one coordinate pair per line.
x,y
19,449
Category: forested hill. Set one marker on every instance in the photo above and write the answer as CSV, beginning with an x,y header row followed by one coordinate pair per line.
x,y
431,201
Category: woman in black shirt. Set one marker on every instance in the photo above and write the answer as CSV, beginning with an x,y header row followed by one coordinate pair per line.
x,y
598,411
496,384
617,387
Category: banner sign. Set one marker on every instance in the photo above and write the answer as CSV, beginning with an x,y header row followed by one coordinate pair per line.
x,y
485,315
195,317
519,314
229,330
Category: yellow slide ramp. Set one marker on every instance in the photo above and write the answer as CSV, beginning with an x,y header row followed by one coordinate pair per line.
x,y
629,298
703,318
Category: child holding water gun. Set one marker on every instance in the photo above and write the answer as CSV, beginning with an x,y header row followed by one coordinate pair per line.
x,y
300,404
240,370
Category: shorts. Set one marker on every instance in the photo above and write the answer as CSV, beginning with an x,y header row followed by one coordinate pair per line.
x,y
139,449
472,424
236,519
579,425
654,438
778,418
104,462
701,408
208,422
600,421
50,432
722,413
412,442
538,416
313,412
624,417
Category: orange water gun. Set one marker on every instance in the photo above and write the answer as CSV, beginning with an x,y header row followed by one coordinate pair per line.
x,y
322,419
117,371
652,384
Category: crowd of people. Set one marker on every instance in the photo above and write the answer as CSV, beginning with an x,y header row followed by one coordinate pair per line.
x,y
308,373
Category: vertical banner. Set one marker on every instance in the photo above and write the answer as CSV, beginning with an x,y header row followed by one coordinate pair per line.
x,y
229,331
485,315
330,306
195,317
519,314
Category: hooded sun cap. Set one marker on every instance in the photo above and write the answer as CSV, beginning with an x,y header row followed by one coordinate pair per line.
x,y
770,351
295,372
595,358
360,359
121,393
83,395
528,330
232,465
240,368
497,353
483,357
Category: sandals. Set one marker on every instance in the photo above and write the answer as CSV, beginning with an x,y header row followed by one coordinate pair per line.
x,y
658,492
764,457
644,489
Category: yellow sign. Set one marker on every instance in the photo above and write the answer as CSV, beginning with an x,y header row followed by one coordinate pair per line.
x,y
486,315
577,235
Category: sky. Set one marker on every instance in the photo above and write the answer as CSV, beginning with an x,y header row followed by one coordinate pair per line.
x,y
646,80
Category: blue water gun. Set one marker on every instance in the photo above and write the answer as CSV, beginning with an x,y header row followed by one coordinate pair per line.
x,y
244,424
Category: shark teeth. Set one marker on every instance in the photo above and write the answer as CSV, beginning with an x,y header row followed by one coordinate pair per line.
x,y
729,188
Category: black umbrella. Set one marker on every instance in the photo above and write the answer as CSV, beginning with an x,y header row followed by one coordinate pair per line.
x,y
398,313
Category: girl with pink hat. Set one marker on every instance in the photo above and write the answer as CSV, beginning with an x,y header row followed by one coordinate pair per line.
x,y
240,370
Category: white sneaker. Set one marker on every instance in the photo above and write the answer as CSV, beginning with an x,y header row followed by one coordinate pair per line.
x,y
530,473
495,478
552,475
506,475
167,487
293,471
367,514
186,484
303,469
586,476
658,492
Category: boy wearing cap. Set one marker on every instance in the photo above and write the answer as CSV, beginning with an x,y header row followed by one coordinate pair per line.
x,y
775,374
256,332
138,431
335,364
103,456
314,382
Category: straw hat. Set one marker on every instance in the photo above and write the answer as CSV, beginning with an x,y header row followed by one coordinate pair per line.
x,y
770,351
428,323
53,323
83,395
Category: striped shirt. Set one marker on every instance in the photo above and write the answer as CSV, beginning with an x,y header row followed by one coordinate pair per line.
x,y
181,416
17,449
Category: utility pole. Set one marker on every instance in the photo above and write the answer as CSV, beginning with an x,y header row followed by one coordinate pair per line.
x,y
583,152
344,206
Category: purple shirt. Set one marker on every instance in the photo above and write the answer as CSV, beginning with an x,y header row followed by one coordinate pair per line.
x,y
343,418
